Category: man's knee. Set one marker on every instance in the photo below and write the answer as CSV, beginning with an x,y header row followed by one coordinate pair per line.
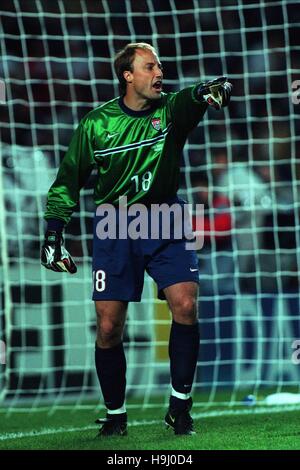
x,y
109,334
109,326
185,310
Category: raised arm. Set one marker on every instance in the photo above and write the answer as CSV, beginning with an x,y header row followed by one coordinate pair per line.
x,y
189,105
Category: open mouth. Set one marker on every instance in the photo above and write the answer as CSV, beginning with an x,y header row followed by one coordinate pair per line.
x,y
157,85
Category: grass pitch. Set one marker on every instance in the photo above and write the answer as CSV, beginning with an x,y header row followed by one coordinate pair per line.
x,y
68,429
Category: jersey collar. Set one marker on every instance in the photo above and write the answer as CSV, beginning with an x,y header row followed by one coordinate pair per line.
x,y
133,113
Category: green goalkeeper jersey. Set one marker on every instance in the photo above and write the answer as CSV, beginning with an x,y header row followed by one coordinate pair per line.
x,y
136,153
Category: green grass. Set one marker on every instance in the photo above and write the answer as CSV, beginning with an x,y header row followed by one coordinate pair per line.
x,y
253,431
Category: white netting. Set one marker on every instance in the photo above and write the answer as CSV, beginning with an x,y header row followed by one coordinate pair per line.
x,y
56,63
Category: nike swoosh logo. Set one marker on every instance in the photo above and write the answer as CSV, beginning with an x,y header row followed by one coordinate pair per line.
x,y
193,270
110,136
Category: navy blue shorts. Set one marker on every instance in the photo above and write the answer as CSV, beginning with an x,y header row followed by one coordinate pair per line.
x,y
119,265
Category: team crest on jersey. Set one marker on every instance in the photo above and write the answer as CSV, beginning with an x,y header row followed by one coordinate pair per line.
x,y
156,123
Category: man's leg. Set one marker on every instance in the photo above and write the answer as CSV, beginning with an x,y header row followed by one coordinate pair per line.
x,y
111,363
183,350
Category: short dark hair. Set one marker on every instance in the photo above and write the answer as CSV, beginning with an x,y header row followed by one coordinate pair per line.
x,y
124,58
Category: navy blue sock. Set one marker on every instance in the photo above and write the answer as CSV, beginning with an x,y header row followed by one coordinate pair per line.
x,y
183,352
111,371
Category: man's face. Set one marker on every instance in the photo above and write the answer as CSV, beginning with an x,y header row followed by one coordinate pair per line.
x,y
145,80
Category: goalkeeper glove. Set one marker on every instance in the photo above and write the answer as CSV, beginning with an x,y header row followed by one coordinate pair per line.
x,y
216,92
54,256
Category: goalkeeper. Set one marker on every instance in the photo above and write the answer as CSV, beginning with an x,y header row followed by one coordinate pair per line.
x,y
135,141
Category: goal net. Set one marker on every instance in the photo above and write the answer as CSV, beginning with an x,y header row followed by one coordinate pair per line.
x,y
241,163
